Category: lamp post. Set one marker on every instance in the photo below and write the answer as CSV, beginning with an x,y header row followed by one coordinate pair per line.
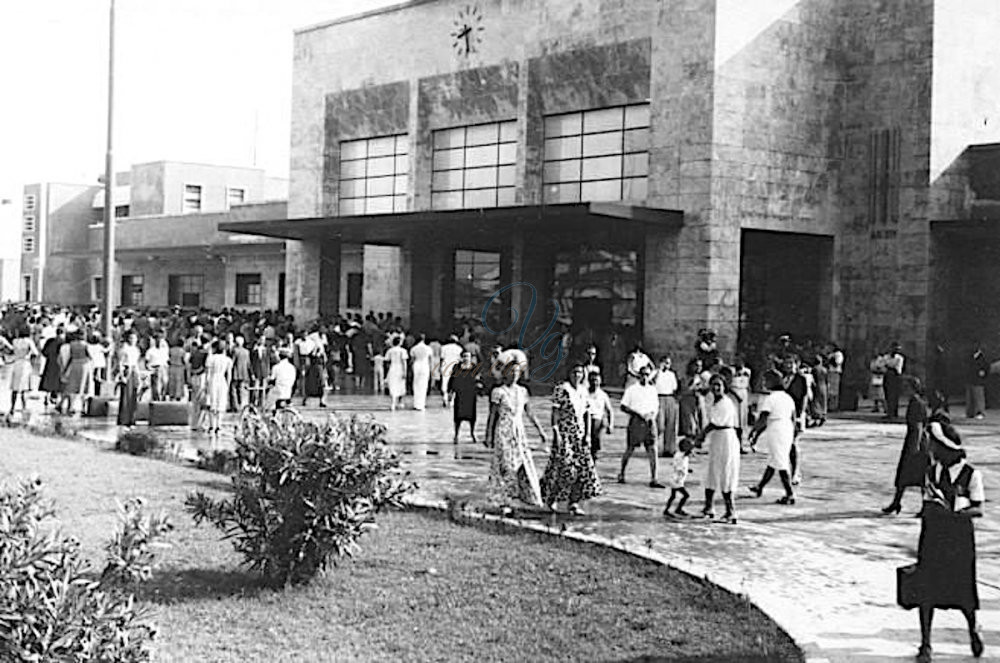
x,y
108,304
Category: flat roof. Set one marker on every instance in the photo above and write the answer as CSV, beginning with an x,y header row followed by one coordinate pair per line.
x,y
362,15
465,225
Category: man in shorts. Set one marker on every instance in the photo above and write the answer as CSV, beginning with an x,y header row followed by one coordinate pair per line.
x,y
641,402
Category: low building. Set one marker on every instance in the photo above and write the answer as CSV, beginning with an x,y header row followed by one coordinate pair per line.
x,y
169,250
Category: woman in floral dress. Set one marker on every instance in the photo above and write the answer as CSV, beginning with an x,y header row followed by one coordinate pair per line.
x,y
512,471
570,475
21,372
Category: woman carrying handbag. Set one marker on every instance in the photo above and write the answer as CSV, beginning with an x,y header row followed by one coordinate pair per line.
x,y
945,573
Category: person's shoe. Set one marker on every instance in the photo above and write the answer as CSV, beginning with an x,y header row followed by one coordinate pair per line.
x,y
576,510
976,643
756,491
892,509
787,499
322,404
710,515
925,654
729,518
656,484
681,513
621,478
667,513
980,416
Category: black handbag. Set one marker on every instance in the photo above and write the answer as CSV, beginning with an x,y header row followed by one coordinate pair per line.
x,y
909,586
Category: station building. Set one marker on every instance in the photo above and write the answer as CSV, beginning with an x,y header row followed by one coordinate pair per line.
x,y
651,167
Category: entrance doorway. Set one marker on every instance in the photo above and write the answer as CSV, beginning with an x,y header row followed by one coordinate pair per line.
x,y
786,287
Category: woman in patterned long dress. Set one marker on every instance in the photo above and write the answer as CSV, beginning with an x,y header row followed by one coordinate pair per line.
x,y
21,370
570,475
512,471
218,372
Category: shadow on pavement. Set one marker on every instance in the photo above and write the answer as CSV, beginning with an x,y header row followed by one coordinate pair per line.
x,y
178,585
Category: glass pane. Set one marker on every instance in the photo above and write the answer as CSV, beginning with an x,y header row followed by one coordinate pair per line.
x,y
604,190
562,171
380,205
353,149
637,140
562,148
600,168
506,176
445,159
452,200
399,204
596,144
562,193
380,147
483,198
636,164
402,144
352,206
402,164
401,184
479,178
380,186
635,188
508,153
506,197
352,188
637,116
483,134
508,131
481,156
381,166
562,125
447,138
352,169
602,120
447,180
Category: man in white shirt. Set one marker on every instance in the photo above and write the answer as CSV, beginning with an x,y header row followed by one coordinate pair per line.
x,y
451,354
283,375
642,405
665,381
157,360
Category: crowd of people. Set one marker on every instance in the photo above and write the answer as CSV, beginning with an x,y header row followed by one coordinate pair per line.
x,y
217,361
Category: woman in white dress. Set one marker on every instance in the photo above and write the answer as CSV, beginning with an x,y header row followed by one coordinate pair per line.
x,y
23,351
775,428
218,372
396,377
723,472
422,356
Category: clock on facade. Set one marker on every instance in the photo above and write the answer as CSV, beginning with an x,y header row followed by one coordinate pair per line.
x,y
468,32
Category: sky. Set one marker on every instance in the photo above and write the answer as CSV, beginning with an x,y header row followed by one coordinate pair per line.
x,y
206,81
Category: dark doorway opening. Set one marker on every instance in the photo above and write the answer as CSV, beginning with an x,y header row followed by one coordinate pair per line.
x,y
281,293
786,287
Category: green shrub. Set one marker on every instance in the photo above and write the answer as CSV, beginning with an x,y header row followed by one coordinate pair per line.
x,y
222,461
52,606
137,443
130,551
304,494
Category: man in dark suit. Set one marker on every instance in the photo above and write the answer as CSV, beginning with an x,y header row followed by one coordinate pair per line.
x,y
260,369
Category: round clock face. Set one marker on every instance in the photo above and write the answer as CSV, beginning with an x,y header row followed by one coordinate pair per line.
x,y
467,34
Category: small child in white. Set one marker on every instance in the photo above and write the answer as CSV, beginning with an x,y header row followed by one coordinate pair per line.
x,y
677,478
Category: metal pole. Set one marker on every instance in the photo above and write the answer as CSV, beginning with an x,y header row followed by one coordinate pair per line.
x,y
108,279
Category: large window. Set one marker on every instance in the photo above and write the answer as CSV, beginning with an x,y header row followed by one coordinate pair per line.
x,y
235,197
374,175
249,291
132,290
121,211
185,290
597,155
474,166
192,198
477,278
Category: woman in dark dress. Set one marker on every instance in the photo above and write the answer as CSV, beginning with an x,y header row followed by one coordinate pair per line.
x,y
946,553
913,458
51,381
314,385
464,384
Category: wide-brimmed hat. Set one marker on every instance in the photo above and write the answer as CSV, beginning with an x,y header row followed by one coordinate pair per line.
x,y
945,435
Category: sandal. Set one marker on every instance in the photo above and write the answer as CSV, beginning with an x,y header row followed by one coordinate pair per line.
x,y
787,499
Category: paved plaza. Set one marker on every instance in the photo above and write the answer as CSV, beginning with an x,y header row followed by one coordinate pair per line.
x,y
824,569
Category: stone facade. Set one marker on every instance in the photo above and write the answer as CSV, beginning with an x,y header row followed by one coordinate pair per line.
x,y
844,121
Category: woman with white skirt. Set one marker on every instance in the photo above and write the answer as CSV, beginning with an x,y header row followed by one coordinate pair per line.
x,y
775,429
396,377
723,472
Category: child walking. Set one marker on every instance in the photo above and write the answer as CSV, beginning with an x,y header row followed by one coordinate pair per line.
x,y
677,478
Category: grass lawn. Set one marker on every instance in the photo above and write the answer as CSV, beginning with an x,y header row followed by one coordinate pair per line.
x,y
422,589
